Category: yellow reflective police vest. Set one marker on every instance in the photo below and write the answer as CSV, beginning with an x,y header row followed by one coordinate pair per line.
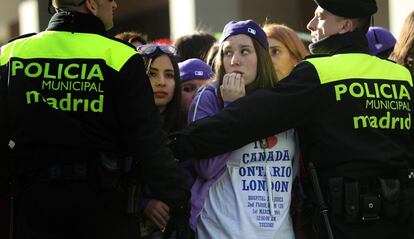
x,y
382,88
70,75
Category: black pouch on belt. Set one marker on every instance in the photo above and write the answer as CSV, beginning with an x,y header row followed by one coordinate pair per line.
x,y
336,195
351,191
110,170
391,196
370,207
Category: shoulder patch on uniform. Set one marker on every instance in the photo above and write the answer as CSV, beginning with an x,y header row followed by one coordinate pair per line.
x,y
316,56
22,36
124,42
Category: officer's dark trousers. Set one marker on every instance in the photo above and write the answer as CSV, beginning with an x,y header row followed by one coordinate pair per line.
x,y
71,209
382,229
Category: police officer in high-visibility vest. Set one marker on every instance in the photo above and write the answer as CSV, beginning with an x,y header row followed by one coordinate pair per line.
x,y
353,113
80,131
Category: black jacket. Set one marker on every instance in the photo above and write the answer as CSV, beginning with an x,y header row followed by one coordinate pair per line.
x,y
339,131
72,88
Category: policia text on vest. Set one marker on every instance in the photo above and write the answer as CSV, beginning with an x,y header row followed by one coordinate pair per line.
x,y
389,97
80,82
384,103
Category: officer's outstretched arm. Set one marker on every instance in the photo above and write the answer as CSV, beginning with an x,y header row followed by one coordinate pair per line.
x,y
258,115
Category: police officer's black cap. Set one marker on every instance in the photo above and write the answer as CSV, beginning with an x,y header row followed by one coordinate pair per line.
x,y
349,8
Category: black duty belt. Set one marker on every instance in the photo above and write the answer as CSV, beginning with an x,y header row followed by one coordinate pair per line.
x,y
65,172
369,200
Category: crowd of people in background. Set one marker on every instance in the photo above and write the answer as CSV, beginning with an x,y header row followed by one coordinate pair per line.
x,y
207,66
192,79
199,75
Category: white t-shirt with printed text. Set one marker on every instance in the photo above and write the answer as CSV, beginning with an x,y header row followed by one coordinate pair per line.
x,y
238,204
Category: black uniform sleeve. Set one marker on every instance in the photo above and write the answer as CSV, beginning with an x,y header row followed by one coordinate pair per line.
x,y
4,134
263,113
144,138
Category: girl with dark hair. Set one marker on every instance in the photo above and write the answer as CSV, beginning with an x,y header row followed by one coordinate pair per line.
x,y
163,72
245,193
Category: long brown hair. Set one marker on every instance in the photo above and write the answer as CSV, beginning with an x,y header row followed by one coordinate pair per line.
x,y
266,75
404,48
287,37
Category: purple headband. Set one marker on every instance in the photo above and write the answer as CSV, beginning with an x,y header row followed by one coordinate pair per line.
x,y
247,27
194,69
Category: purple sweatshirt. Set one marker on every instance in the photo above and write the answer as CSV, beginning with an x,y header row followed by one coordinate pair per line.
x,y
205,104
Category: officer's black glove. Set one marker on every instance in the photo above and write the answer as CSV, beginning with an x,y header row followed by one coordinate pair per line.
x,y
179,222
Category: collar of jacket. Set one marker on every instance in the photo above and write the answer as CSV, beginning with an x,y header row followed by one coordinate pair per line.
x,y
350,42
76,22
